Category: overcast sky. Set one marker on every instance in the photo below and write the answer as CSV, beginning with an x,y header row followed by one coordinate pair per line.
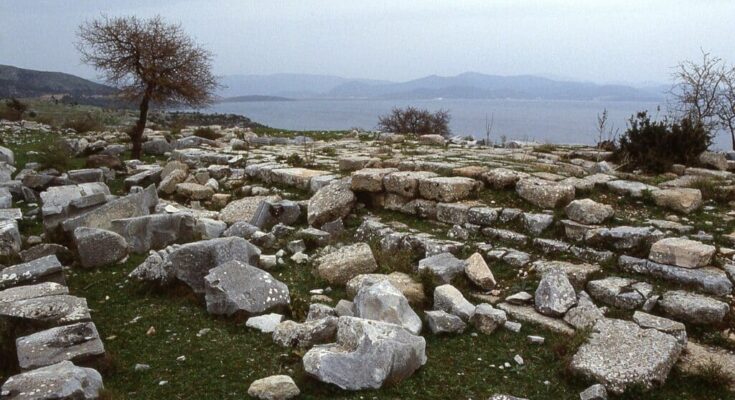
x,y
620,41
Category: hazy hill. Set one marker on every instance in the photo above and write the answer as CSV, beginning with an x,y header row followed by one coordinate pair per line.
x,y
468,85
19,82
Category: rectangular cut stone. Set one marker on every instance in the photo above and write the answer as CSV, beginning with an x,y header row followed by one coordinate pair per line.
x,y
79,343
530,315
11,213
295,177
132,205
708,280
39,270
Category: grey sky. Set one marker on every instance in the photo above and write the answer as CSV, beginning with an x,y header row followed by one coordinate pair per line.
x,y
611,41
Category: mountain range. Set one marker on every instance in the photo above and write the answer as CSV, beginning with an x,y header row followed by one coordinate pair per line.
x,y
469,85
20,82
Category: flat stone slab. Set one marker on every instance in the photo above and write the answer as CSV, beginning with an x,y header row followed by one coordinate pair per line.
x,y
59,381
620,354
48,310
77,342
11,213
32,291
682,252
295,177
39,270
708,280
528,314
693,308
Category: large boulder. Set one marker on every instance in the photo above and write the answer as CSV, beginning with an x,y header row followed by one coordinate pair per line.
x,y
679,199
43,269
555,294
78,342
588,211
444,266
619,354
345,263
406,183
383,302
682,252
714,160
243,209
63,380
270,213
545,194
331,202
194,191
236,287
478,272
99,247
370,179
307,334
368,355
449,299
413,290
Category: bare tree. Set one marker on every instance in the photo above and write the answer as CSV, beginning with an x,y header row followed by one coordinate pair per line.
x,y
150,61
726,103
489,128
696,88
415,121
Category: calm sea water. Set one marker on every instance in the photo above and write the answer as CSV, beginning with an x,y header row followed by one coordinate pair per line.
x,y
542,121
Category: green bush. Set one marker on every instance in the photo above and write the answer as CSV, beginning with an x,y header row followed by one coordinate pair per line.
x,y
654,146
83,124
56,156
207,133
295,160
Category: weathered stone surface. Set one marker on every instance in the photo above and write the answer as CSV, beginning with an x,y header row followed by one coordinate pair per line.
x,y
578,274
536,223
530,315
698,359
447,298
406,183
624,237
682,252
46,311
503,178
631,188
265,323
708,280
452,213
236,287
588,211
367,355
447,189
191,262
10,242
132,205
442,322
714,159
61,381
585,314
382,301
693,308
99,247
487,319
545,194
39,270
155,231
150,175
270,213
482,216
623,293
194,191
243,209
478,272
32,291
78,342
370,179
329,203
310,333
444,266
594,392
673,328
169,183
345,263
555,294
414,291
681,199
619,354
276,387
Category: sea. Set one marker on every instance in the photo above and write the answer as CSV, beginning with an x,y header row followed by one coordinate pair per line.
x,y
543,121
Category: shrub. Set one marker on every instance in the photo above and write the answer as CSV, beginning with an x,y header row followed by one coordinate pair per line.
x,y
14,109
83,124
654,146
56,156
415,121
295,160
207,133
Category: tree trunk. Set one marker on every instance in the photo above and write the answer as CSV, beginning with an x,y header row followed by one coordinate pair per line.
x,y
136,134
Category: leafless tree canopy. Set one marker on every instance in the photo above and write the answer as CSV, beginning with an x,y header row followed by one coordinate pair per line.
x,y
148,60
415,121
696,89
726,103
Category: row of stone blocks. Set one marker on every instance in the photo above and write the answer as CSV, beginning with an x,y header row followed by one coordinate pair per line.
x,y
55,340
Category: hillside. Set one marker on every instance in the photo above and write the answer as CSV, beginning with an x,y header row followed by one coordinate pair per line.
x,y
20,82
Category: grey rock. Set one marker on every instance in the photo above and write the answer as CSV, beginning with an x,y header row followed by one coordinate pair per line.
x,y
39,270
555,294
99,247
529,315
265,323
276,387
440,322
535,224
368,355
682,252
448,189
155,231
624,237
545,194
384,302
59,381
307,334
329,203
78,342
207,228
487,319
10,242
345,263
708,280
319,311
132,205
478,272
236,287
32,291
594,392
270,213
623,293
673,328
588,211
620,354
444,266
585,314
447,298
693,308
47,311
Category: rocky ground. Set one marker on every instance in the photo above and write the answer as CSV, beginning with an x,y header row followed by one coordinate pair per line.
x,y
358,266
